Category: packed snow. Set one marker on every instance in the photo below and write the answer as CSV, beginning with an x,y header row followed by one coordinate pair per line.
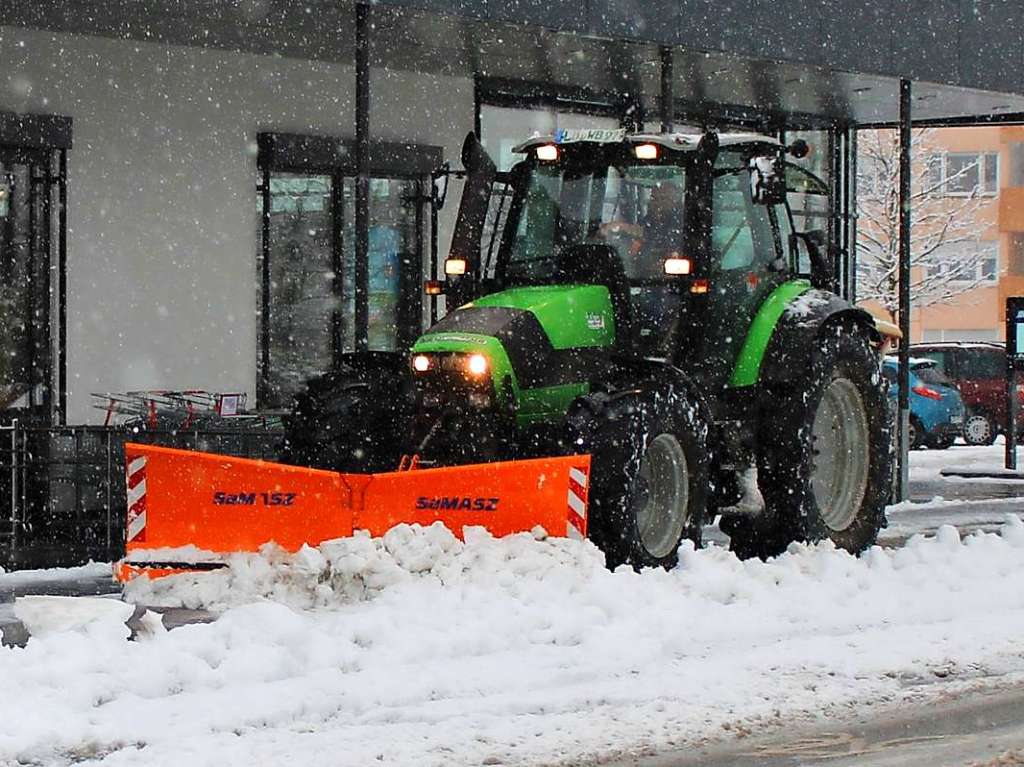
x,y
418,649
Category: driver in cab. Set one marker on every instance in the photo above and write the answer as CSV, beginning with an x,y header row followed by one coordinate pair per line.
x,y
656,237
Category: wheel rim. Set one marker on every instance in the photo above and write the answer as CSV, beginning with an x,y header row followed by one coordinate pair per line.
x,y
977,429
839,469
661,495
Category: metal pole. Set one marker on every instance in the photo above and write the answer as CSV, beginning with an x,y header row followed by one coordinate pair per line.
x,y
667,98
433,247
337,267
904,293
263,376
62,287
1011,384
362,303
477,107
852,210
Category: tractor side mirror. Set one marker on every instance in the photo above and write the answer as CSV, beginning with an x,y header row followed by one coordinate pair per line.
x,y
812,248
767,180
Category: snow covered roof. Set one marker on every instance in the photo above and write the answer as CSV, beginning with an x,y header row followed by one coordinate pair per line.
x,y
680,142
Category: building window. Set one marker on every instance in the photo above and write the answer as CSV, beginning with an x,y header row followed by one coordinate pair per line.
x,y
1016,253
962,174
1017,164
965,262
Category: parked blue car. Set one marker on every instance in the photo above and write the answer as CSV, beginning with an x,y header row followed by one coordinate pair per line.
x,y
936,410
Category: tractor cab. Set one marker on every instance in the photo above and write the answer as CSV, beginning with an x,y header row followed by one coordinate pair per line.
x,y
686,232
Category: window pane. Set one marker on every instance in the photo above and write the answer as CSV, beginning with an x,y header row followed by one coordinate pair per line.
x,y
933,174
503,128
1017,163
392,247
930,374
637,210
15,284
740,231
301,282
983,364
941,358
991,178
962,173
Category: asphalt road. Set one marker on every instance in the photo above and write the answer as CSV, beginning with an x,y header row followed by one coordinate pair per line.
x,y
980,730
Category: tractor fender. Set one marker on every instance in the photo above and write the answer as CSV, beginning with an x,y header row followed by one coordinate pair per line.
x,y
805,319
637,379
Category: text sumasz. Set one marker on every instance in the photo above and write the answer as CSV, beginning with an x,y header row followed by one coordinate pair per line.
x,y
457,503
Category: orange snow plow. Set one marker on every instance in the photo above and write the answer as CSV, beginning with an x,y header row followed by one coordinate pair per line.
x,y
187,510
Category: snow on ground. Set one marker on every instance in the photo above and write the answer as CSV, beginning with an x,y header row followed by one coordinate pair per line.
x,y
927,465
421,650
19,577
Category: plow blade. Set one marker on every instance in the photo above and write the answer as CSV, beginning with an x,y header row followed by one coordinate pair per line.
x,y
186,509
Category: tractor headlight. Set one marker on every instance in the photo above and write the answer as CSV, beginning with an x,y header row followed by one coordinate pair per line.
x,y
456,267
421,363
476,365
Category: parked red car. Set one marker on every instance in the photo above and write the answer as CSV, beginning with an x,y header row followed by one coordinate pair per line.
x,y
979,371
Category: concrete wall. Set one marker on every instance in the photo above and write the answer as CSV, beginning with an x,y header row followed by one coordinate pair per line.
x,y
163,223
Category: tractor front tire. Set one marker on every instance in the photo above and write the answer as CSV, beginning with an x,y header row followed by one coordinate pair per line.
x,y
825,453
648,473
356,418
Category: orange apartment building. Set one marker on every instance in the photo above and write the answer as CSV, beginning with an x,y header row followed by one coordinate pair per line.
x,y
997,155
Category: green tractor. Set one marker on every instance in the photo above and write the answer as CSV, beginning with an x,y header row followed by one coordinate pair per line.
x,y
645,299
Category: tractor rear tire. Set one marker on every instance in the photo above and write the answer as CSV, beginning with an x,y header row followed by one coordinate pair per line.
x,y
356,418
825,453
648,474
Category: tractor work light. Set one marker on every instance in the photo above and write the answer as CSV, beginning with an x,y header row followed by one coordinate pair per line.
x,y
476,364
646,151
677,265
455,266
547,152
421,363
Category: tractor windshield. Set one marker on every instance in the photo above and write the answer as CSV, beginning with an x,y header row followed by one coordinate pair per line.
x,y
635,209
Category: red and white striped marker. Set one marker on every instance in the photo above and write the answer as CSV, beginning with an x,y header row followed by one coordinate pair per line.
x,y
578,486
136,476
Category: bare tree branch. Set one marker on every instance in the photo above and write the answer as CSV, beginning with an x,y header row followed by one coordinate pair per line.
x,y
946,260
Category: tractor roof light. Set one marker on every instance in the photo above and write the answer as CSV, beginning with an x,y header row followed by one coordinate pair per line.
x,y
676,265
476,364
547,152
421,363
646,151
455,266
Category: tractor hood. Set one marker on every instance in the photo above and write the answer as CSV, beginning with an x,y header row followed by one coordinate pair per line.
x,y
523,327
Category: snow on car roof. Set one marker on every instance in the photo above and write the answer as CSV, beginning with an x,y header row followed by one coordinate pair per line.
x,y
680,142
956,344
914,361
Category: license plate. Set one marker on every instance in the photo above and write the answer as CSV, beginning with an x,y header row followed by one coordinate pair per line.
x,y
957,419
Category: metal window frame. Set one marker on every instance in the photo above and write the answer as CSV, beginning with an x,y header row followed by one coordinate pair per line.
x,y
337,157
42,142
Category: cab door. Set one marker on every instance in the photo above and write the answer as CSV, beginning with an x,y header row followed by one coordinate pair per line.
x,y
747,264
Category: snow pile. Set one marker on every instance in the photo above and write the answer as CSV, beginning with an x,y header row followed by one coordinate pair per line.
x,y
421,650
355,569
